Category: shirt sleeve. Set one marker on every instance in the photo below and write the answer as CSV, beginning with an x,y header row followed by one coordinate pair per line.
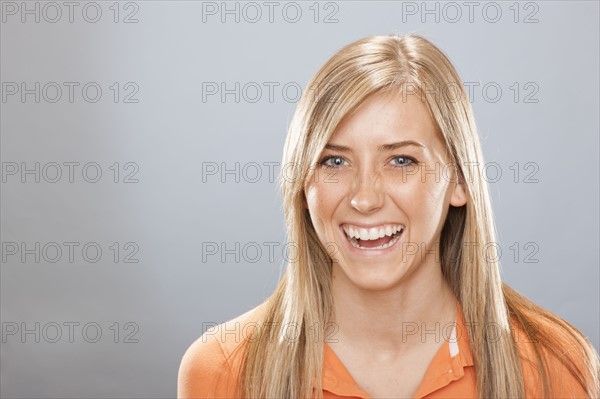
x,y
205,371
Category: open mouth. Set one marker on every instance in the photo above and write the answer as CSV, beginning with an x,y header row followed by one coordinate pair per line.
x,y
374,238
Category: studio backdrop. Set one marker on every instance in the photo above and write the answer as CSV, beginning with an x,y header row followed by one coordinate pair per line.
x,y
141,142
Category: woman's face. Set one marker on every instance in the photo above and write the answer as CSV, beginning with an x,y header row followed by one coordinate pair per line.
x,y
384,176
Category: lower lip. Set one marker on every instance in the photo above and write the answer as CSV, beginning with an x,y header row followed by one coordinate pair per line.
x,y
370,251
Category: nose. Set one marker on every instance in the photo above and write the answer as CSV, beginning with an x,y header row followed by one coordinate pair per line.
x,y
366,196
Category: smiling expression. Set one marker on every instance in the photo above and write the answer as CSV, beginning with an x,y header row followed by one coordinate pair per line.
x,y
379,207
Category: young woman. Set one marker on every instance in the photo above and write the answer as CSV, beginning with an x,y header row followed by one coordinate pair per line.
x,y
394,290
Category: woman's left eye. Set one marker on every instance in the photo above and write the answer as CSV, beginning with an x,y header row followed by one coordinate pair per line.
x,y
403,160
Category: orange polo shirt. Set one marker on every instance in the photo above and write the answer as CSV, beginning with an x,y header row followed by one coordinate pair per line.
x,y
209,367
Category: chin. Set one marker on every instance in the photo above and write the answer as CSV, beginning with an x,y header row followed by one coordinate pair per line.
x,y
369,279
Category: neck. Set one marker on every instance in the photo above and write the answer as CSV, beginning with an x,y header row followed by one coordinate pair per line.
x,y
417,311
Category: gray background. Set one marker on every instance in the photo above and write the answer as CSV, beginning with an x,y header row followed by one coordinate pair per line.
x,y
171,134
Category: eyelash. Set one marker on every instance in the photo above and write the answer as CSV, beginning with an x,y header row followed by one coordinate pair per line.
x,y
324,161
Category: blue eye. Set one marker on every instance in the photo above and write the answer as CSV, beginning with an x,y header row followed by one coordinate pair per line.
x,y
406,160
337,161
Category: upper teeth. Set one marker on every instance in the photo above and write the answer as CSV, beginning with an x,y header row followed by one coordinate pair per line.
x,y
373,233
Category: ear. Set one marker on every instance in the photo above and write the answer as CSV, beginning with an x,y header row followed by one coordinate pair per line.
x,y
459,196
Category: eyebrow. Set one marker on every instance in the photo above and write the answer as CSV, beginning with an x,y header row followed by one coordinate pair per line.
x,y
381,148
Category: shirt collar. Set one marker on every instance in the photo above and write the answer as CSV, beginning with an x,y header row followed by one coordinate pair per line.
x,y
442,370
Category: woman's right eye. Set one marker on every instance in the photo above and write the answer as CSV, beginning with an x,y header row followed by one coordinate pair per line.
x,y
332,161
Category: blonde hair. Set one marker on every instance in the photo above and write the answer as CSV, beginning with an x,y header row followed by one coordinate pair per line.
x,y
282,368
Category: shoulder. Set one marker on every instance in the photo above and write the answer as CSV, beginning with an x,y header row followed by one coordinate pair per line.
x,y
210,365
564,384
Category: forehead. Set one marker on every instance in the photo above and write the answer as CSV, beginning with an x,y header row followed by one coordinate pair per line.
x,y
388,116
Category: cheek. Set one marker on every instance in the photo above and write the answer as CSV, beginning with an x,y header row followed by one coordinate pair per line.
x,y
422,201
322,200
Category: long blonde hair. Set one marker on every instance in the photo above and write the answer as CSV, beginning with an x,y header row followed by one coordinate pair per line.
x,y
275,367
